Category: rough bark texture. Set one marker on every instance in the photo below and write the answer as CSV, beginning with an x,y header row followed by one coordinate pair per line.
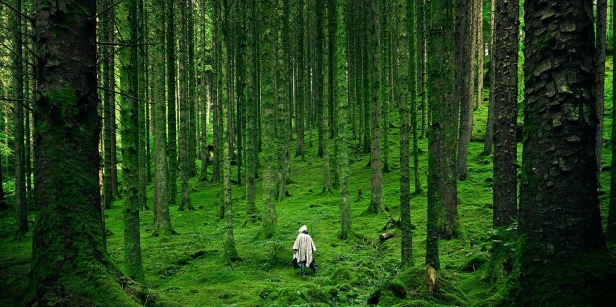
x,y
489,140
463,91
172,153
129,121
611,219
69,261
479,56
441,77
561,242
376,163
21,204
184,151
268,63
251,110
404,37
601,34
505,112
162,220
342,102
108,107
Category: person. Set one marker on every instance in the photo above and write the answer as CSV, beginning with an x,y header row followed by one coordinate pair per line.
x,y
303,251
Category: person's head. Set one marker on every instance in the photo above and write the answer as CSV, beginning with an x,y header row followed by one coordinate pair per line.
x,y
303,229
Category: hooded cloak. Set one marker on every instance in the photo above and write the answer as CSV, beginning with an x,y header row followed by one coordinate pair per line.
x,y
303,247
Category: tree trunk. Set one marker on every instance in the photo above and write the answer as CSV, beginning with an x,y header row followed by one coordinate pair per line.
x,y
479,56
68,240
300,91
270,27
611,219
342,103
505,112
560,223
171,105
205,96
282,99
376,164
441,77
183,107
489,140
405,75
251,110
463,91
600,78
142,105
129,121
21,204
162,220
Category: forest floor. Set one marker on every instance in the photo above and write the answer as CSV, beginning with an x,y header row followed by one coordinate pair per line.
x,y
191,267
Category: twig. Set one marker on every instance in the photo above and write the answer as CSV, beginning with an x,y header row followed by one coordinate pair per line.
x,y
17,11
107,9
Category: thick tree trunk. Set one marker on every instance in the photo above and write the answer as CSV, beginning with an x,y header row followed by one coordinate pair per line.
x,y
251,110
106,21
560,223
69,260
129,123
505,112
479,56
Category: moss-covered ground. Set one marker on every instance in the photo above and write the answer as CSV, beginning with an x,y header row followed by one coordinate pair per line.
x,y
191,269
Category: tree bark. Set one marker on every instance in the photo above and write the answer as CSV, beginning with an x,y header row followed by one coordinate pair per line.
x,y
183,107
172,153
69,260
269,26
376,164
21,204
162,220
129,121
505,112
559,208
489,140
463,91
611,219
601,37
405,75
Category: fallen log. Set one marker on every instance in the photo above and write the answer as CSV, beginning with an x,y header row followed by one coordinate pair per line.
x,y
386,236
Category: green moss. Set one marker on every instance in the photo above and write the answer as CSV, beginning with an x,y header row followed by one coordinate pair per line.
x,y
587,279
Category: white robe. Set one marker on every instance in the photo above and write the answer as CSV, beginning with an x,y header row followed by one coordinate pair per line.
x,y
303,248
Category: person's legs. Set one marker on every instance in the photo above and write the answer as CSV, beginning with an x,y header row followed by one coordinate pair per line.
x,y
302,266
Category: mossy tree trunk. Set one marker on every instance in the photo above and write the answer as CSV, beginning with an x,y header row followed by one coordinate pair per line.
x,y
251,110
342,102
479,57
69,260
106,29
600,47
505,112
269,26
282,100
324,118
441,81
300,92
560,224
21,204
404,76
463,91
192,91
142,106
129,129
162,220
489,139
376,163
172,152
611,219
205,95
183,83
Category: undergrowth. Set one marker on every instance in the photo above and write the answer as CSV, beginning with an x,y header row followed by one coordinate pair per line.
x,y
190,268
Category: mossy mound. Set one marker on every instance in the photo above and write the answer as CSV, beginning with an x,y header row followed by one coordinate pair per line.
x,y
409,288
582,280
